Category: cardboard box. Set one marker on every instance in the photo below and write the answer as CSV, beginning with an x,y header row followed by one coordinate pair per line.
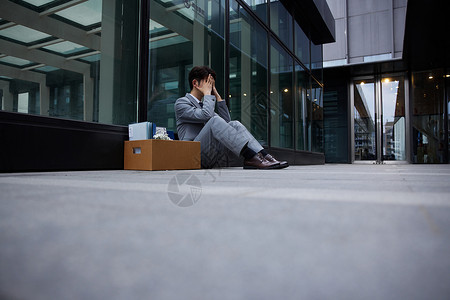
x,y
141,131
161,155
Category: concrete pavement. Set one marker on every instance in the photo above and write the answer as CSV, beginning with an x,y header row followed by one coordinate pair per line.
x,y
306,232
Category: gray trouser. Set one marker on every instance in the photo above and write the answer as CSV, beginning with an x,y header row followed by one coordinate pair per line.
x,y
219,138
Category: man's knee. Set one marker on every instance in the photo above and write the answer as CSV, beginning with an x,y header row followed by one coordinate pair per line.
x,y
236,124
216,119
214,123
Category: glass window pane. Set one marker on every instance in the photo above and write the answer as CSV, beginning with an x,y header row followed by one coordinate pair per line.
x,y
38,2
364,120
15,61
302,84
86,13
316,61
23,34
65,74
281,97
47,69
22,103
66,48
393,122
92,58
182,36
248,73
259,7
317,117
428,120
281,22
302,46
335,117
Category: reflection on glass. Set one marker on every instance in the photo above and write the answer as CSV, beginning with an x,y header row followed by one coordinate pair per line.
x,y
182,35
67,100
15,61
86,13
38,2
393,121
248,73
317,117
281,22
75,72
22,103
316,61
364,120
16,98
281,97
23,34
65,48
302,45
259,7
428,119
47,69
92,58
302,83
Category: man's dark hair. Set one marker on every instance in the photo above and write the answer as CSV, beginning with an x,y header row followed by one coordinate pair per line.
x,y
200,73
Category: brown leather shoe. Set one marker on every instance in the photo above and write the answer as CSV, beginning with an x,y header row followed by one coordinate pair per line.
x,y
283,164
259,162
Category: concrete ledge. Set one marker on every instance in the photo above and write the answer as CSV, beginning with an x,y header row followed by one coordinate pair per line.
x,y
36,143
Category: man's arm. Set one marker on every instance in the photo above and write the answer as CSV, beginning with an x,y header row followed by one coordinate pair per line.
x,y
187,112
222,108
222,111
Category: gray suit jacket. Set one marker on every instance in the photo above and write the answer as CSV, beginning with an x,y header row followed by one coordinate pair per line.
x,y
191,117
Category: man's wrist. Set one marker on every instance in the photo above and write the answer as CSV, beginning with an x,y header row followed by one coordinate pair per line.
x,y
218,98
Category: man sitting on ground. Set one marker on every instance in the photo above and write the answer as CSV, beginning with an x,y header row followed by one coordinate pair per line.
x,y
217,134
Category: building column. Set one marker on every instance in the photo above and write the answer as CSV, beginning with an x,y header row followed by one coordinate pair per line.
x,y
107,65
8,99
199,43
44,98
88,97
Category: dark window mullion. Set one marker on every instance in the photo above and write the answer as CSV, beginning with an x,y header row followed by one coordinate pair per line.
x,y
227,52
143,60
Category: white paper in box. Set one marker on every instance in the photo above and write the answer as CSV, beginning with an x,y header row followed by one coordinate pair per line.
x,y
141,131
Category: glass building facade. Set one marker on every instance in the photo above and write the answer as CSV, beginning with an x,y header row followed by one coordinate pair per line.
x,y
70,59
118,62
387,81
255,58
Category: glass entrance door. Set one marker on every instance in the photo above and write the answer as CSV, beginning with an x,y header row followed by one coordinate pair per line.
x,y
379,122
365,132
393,118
